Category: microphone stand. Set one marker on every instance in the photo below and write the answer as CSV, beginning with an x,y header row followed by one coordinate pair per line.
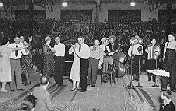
x,y
130,86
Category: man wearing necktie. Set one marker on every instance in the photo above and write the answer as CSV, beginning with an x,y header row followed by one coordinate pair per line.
x,y
15,57
84,54
152,59
135,52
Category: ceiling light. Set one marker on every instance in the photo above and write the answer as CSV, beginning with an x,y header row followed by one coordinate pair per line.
x,y
65,4
132,3
1,4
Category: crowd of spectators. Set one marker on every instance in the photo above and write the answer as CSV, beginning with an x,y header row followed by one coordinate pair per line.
x,y
70,30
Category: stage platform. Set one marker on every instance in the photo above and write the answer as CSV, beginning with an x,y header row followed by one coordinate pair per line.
x,y
104,97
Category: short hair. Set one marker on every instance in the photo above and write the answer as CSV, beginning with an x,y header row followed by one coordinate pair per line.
x,y
43,80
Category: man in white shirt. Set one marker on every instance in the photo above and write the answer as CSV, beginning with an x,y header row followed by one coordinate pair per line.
x,y
135,52
15,57
83,53
59,50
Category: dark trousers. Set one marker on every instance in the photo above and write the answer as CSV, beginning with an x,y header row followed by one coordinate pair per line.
x,y
59,69
84,64
136,66
164,83
151,65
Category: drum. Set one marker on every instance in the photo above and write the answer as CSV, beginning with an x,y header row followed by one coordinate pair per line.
x,y
120,57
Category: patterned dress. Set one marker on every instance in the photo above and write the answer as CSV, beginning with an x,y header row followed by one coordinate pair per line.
x,y
48,61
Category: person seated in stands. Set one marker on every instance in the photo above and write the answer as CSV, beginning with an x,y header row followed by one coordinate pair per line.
x,y
167,104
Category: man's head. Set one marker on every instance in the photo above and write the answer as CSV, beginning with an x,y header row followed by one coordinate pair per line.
x,y
112,39
153,41
171,38
22,38
96,42
48,40
57,40
17,40
80,40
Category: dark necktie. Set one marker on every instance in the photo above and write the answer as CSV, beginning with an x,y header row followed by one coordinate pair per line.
x,y
16,51
79,48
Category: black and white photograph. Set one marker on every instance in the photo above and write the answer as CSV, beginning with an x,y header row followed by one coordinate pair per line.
x,y
87,55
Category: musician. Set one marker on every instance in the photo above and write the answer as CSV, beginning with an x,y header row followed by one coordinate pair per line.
x,y
153,51
111,44
95,62
135,52
104,45
170,63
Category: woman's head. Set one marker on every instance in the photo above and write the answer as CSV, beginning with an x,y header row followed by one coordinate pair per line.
x,y
96,42
153,41
47,40
171,38
22,38
44,80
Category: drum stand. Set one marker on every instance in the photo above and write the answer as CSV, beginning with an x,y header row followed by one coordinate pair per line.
x,y
139,72
156,64
130,86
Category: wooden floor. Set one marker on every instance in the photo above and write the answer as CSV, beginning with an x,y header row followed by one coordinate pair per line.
x,y
104,97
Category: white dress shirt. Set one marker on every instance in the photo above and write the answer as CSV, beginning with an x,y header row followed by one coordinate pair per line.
x,y
153,52
133,50
59,49
20,52
84,51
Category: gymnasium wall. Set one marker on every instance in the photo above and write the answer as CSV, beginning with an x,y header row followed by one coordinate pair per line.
x,y
55,10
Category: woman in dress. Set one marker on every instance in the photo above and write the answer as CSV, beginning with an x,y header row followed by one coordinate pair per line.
x,y
48,59
5,67
75,70
170,62
26,61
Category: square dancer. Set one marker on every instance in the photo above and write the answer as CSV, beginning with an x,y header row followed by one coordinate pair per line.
x,y
59,50
84,54
16,64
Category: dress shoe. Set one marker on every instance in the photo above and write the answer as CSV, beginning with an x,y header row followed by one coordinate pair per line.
x,y
74,89
82,90
92,85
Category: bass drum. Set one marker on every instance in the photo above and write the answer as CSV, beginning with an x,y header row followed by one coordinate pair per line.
x,y
119,56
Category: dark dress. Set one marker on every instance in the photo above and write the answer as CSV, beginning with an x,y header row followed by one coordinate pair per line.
x,y
48,61
26,65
